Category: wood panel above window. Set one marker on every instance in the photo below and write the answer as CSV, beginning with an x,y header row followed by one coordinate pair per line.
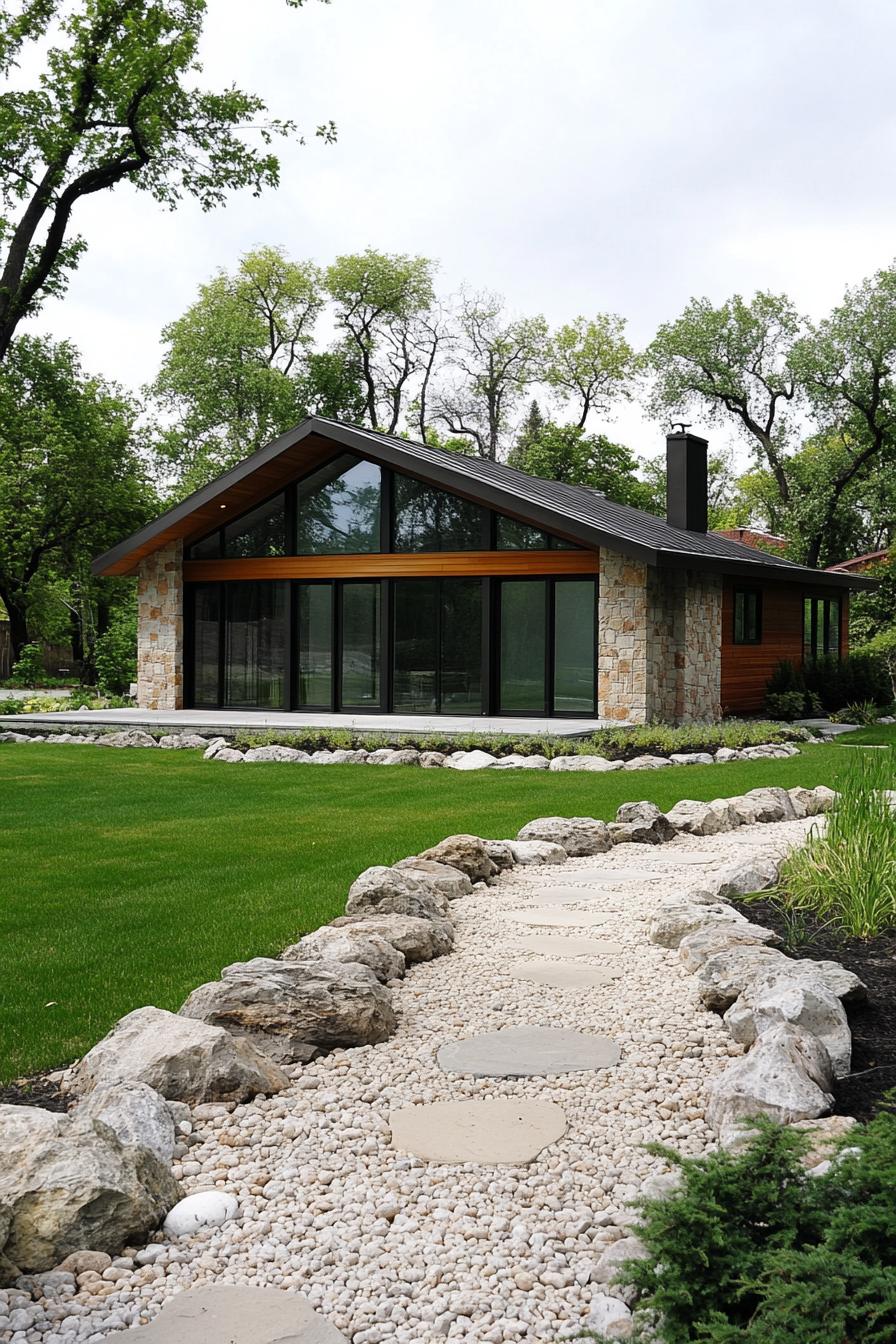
x,y
380,565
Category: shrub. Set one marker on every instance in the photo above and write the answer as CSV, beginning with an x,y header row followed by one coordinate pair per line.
x,y
847,874
883,647
845,681
28,669
116,652
865,713
786,705
752,1250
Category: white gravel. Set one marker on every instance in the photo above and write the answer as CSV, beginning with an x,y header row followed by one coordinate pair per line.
x,y
391,1248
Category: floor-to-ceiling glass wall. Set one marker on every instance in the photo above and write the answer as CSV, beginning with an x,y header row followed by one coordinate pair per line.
x,y
574,658
314,645
360,640
255,645
437,646
522,680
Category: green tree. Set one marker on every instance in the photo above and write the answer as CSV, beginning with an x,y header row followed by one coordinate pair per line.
x,y
591,364
71,479
495,361
732,363
113,102
723,509
235,371
566,453
381,302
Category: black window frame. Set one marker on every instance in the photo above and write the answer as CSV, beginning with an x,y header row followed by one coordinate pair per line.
x,y
744,593
548,711
820,606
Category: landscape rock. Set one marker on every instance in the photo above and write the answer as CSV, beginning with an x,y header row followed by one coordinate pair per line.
x,y
353,944
646,824
450,882
609,1318
673,922
136,1113
470,760
704,942
691,758
536,851
723,977
183,741
283,1007
825,1134
596,764
283,754
579,836
742,879
184,1059
845,984
70,1185
696,818
214,747
432,760
133,737
84,1262
808,1004
768,796
517,762
825,798
466,852
787,1076
418,939
229,754
392,891
724,754
647,763
394,756
237,1314
500,853
617,1254
206,1208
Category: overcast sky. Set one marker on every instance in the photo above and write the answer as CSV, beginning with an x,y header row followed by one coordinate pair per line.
x,y
575,155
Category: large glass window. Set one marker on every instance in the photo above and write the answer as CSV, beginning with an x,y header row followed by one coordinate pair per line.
x,y
426,519
255,645
821,627
261,532
747,616
513,536
574,645
338,509
523,635
415,626
461,647
314,644
361,645
209,548
206,644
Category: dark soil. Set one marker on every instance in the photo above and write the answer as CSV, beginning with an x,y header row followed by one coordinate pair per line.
x,y
36,1091
873,1023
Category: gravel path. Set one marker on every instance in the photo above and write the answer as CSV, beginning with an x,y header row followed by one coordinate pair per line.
x,y
389,1247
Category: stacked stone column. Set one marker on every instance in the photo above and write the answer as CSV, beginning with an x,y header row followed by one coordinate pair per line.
x,y
160,629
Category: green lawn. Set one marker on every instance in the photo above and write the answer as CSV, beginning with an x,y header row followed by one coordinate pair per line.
x,y
878,735
132,876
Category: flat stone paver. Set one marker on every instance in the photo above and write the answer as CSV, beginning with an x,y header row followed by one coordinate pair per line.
x,y
494,1132
545,917
670,854
528,1052
231,1314
608,876
562,975
567,895
550,946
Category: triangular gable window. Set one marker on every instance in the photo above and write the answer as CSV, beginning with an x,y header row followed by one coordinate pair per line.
x,y
339,508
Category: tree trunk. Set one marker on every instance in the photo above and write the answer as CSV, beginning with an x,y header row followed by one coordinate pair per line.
x,y
18,623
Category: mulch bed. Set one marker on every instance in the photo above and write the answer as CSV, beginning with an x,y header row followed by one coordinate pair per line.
x,y
873,1023
36,1091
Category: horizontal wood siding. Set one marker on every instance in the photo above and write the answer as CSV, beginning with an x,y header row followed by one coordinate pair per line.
x,y
378,566
746,668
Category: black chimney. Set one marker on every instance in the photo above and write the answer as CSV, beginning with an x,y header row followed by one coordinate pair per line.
x,y
686,481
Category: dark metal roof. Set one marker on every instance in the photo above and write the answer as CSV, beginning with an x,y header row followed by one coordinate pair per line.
x,y
576,512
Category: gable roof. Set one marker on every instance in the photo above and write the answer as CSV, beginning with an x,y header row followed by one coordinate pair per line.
x,y
577,513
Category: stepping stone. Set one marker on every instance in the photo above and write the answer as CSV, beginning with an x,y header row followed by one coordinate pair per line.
x,y
609,876
493,1132
545,917
669,855
237,1315
561,975
550,946
528,1052
564,895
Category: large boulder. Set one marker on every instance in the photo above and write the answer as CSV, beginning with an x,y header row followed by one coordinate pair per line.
x,y
808,1004
845,984
691,758
183,741
579,836
136,1114
647,763
470,760
391,891
537,851
466,852
354,944
675,921
70,1185
132,737
723,977
285,755
183,1059
608,1318
450,882
515,761
787,1076
394,756
646,824
708,939
418,939
500,853
745,877
770,795
287,1008
696,818
593,764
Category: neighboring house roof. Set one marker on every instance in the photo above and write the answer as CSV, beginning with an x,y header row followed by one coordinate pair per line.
x,y
860,562
575,512
752,536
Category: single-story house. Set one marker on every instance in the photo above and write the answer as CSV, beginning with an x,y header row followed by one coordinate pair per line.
x,y
340,569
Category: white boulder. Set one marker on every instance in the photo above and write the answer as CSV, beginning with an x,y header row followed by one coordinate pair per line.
x,y
136,1113
450,882
206,1208
470,760
808,1004
787,1076
579,836
418,939
536,851
353,943
466,852
675,921
392,891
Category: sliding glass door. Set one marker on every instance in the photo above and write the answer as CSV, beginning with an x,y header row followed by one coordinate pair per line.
x,y
360,638
547,653
255,645
437,646
575,653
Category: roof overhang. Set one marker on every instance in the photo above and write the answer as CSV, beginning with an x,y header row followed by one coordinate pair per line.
x,y
311,443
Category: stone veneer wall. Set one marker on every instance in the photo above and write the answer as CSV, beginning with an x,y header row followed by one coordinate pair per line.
x,y
160,629
659,643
